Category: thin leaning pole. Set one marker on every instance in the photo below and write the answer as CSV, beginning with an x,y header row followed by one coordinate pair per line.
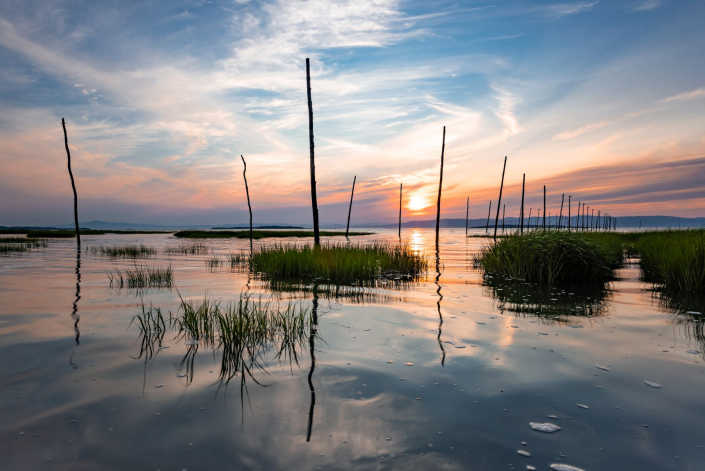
x,y
523,184
504,207
499,202
247,190
560,216
314,200
487,224
569,213
400,190
440,187
347,228
73,184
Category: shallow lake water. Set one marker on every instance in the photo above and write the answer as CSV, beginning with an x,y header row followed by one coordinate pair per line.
x,y
445,373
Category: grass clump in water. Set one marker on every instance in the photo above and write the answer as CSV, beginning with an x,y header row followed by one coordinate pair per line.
x,y
20,244
142,276
547,257
197,248
261,234
674,259
338,263
124,251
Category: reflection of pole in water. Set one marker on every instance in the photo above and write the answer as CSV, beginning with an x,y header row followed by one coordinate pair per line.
x,y
438,304
74,313
311,342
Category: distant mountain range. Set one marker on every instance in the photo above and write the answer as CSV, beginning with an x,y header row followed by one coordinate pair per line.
x,y
622,222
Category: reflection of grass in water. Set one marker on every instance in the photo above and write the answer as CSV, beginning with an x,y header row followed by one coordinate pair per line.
x,y
379,292
123,251
20,244
339,263
686,309
555,304
197,248
152,327
553,257
142,276
259,234
246,332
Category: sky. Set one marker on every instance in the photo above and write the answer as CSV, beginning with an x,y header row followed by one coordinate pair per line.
x,y
603,100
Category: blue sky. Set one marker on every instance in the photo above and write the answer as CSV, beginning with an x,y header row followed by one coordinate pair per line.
x,y
601,99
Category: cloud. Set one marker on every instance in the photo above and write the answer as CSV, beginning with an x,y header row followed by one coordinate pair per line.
x,y
694,95
564,9
577,132
648,5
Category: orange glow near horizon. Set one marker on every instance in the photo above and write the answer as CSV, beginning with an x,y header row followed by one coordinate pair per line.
x,y
417,203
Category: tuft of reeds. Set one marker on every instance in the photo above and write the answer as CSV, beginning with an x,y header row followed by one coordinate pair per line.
x,y
338,263
20,244
141,276
196,248
123,251
674,258
548,257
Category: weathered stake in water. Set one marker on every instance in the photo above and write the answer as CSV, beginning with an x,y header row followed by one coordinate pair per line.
x,y
440,187
73,184
499,202
347,228
247,190
400,192
314,201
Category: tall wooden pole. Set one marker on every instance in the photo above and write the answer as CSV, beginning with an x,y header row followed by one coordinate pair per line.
x,y
73,184
544,208
499,202
400,193
347,228
247,190
467,215
314,200
523,183
487,225
440,187
569,213
560,217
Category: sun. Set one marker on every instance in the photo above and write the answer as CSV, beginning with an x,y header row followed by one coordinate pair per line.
x,y
417,203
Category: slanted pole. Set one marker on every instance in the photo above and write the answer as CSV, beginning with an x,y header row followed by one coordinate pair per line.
x,y
440,187
487,225
314,200
560,217
569,213
347,228
400,190
247,190
73,185
499,202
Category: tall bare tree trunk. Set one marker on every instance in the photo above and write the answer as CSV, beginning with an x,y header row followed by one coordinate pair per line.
x,y
73,184
314,200
400,192
560,217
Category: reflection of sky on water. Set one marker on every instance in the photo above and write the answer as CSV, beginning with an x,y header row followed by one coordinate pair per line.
x,y
502,370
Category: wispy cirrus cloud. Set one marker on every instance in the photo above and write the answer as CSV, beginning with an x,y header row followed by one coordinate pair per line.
x,y
577,132
687,96
645,5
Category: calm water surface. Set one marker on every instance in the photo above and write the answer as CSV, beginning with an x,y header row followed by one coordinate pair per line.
x,y
445,374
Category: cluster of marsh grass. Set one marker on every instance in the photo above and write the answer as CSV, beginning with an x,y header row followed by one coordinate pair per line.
x,y
20,244
259,234
197,248
123,251
233,260
152,326
674,259
142,276
246,331
548,257
339,263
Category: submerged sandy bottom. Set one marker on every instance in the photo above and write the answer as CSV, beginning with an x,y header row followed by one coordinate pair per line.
x,y
481,373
